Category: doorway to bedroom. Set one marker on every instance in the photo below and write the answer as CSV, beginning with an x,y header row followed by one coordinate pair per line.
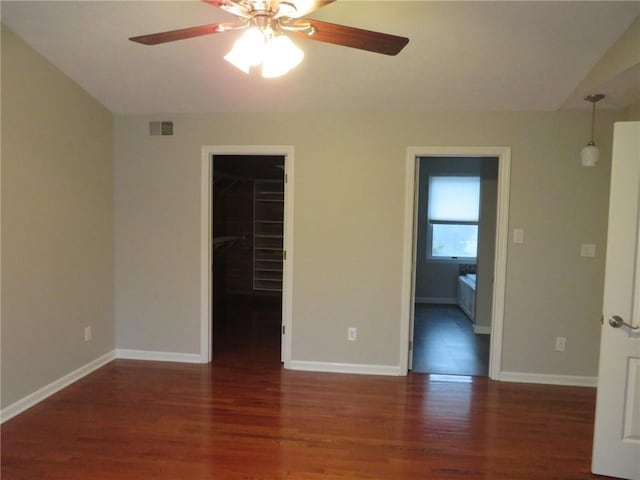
x,y
454,256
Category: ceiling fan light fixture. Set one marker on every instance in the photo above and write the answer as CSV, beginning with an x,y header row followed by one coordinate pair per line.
x,y
280,56
259,46
267,22
248,51
286,9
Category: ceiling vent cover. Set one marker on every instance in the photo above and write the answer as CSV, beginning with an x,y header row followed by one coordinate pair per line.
x,y
161,128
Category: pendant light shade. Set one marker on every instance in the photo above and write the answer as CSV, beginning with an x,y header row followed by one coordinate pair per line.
x,y
591,153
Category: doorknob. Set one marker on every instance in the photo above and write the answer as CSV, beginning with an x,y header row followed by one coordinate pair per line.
x,y
616,321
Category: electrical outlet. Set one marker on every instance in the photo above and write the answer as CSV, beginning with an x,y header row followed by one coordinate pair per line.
x,y
561,343
87,334
352,333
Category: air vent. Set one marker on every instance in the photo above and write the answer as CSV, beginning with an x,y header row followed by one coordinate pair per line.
x,y
161,128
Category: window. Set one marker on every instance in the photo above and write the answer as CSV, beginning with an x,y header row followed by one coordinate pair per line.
x,y
453,214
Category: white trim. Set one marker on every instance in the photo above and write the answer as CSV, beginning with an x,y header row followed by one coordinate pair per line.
x,y
437,300
500,263
414,268
482,329
357,368
502,236
125,354
206,240
568,380
407,287
39,395
206,256
287,277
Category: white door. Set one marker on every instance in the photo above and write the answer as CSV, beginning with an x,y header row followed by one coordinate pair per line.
x,y
616,446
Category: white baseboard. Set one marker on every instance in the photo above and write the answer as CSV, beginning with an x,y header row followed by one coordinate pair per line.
x,y
157,356
331,367
568,380
482,329
437,300
39,395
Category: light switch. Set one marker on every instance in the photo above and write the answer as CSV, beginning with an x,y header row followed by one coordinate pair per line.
x,y
588,250
518,235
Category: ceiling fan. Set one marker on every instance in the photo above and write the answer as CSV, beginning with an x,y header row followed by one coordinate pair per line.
x,y
266,42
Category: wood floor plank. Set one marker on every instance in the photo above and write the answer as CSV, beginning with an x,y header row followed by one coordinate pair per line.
x,y
149,420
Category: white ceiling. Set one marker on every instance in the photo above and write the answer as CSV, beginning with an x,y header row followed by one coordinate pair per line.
x,y
462,55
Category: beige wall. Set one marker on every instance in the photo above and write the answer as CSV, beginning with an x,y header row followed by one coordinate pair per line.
x,y
348,234
57,223
633,112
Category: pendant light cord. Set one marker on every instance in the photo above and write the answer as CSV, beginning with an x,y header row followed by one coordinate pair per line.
x,y
593,120
593,99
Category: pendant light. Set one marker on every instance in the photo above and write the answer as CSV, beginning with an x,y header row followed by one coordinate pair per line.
x,y
591,152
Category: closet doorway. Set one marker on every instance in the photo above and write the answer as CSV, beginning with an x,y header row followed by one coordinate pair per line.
x,y
248,245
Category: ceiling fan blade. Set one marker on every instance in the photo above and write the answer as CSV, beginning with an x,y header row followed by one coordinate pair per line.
x,y
183,33
234,7
351,37
305,7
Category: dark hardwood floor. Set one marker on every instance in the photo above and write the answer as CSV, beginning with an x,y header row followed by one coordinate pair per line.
x,y
245,417
444,342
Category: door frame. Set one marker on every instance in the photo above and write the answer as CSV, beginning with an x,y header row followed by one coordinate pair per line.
x,y
503,154
206,241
